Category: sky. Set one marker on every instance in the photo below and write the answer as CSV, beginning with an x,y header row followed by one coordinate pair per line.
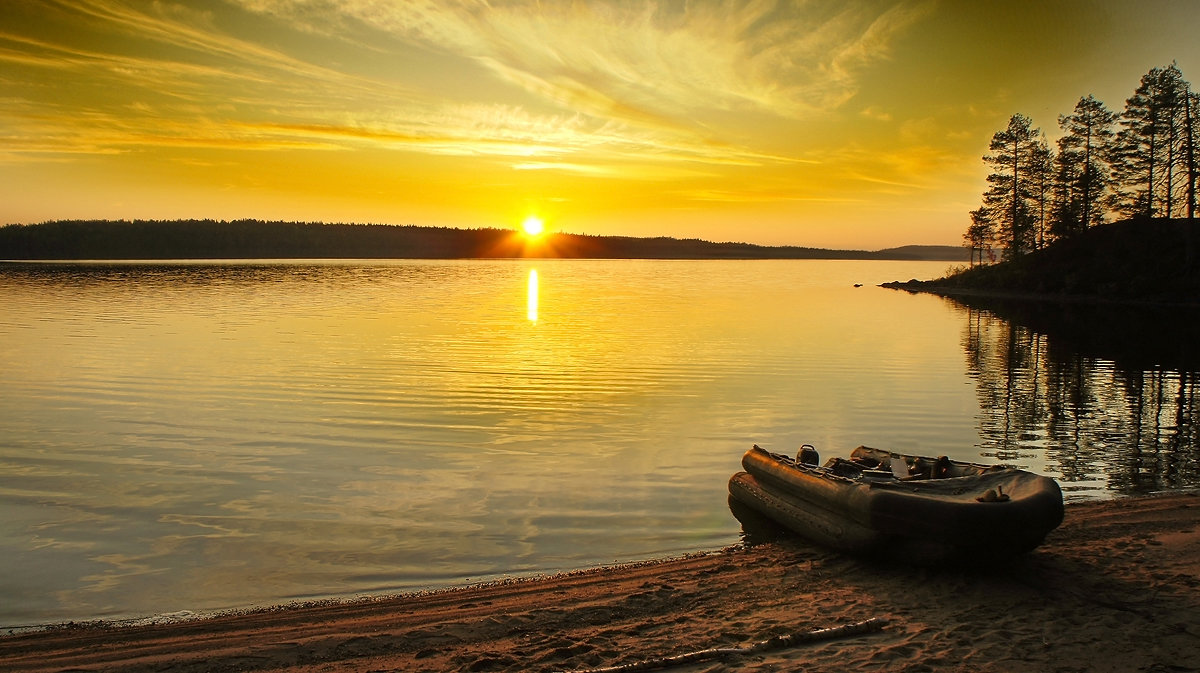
x,y
836,124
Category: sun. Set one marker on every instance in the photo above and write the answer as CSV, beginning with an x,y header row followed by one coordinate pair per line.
x,y
533,226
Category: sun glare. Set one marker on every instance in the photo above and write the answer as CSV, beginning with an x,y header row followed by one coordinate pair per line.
x,y
532,225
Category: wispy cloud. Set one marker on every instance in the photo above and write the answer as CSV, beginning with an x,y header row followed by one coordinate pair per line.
x,y
191,33
757,196
875,114
567,167
606,62
101,77
605,80
664,66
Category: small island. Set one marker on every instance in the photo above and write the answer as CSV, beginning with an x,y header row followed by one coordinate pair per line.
x,y
1139,261
1106,215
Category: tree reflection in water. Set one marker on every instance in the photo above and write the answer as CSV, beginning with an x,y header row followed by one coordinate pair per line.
x,y
1106,396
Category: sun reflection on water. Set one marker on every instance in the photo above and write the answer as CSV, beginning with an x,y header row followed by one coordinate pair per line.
x,y
531,302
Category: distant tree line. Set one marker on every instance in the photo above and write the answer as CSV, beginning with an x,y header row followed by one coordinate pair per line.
x,y
244,239
1137,164
256,239
208,239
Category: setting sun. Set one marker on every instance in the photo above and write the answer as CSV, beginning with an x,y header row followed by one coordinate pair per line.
x,y
532,226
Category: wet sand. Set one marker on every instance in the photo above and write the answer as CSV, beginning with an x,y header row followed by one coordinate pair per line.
x,y
1115,588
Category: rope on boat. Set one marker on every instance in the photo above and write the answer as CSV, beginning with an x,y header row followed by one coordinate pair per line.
x,y
872,625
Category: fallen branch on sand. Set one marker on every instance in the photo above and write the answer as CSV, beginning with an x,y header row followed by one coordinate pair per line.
x,y
777,643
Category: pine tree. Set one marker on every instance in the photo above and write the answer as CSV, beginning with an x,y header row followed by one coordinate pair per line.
x,y
979,234
1066,219
1042,174
1010,198
1152,157
1191,135
1191,131
1082,168
1173,103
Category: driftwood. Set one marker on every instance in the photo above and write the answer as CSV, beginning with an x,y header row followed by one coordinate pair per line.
x,y
779,642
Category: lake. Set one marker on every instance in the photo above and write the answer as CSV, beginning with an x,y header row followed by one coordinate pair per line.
x,y
206,436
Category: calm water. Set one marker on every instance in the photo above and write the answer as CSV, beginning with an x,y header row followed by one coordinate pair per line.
x,y
210,436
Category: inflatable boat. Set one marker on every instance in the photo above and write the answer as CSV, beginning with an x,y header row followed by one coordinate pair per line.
x,y
910,507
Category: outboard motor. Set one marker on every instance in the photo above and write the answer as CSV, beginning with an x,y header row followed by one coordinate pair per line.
x,y
941,468
808,455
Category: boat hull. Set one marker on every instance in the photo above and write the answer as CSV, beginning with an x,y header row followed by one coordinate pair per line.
x,y
918,519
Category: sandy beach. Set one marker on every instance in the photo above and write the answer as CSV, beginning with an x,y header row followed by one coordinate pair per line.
x,y
1115,588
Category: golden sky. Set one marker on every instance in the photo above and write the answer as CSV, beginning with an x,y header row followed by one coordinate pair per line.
x,y
819,123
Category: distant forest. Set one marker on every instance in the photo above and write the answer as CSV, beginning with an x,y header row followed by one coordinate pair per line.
x,y
255,239
1139,164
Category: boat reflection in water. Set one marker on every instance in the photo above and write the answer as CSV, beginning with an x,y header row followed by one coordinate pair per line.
x,y
1105,396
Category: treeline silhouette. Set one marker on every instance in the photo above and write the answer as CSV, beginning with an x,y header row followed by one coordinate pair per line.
x,y
1138,164
240,239
256,239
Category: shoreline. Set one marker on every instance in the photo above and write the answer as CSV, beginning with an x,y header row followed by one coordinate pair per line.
x,y
1115,587
967,293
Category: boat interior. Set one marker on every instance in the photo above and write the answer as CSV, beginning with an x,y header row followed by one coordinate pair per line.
x,y
875,464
